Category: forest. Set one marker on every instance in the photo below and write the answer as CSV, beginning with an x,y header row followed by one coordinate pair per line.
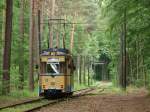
x,y
115,33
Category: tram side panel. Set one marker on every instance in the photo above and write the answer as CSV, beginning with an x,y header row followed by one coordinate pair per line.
x,y
61,82
52,82
47,82
69,77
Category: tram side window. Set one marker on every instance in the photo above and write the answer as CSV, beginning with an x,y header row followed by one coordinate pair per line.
x,y
63,67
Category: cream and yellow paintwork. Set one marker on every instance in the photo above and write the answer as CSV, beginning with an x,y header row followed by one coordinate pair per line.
x,y
61,82
45,58
49,82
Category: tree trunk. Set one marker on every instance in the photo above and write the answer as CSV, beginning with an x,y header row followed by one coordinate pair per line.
x,y
2,39
124,51
137,60
7,48
94,73
39,33
37,44
123,62
31,60
88,61
80,70
131,69
142,67
84,70
51,36
120,67
21,46
41,24
57,39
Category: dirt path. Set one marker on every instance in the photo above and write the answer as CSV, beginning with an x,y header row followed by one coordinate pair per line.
x,y
104,103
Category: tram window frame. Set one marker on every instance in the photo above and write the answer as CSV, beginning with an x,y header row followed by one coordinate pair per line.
x,y
62,67
43,67
52,69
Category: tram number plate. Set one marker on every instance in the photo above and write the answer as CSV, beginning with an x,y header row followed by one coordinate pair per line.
x,y
52,83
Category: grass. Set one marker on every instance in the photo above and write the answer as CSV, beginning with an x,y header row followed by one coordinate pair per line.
x,y
78,86
109,88
103,87
16,96
24,107
23,94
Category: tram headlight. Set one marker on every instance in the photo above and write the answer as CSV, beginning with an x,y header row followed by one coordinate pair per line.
x,y
43,86
61,86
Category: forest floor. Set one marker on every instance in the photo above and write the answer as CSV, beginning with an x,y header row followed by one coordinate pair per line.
x,y
106,98
9,100
20,96
102,100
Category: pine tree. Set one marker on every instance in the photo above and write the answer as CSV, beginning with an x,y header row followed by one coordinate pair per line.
x,y
21,46
31,47
7,48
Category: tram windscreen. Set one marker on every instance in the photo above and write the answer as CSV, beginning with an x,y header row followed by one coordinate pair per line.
x,y
53,68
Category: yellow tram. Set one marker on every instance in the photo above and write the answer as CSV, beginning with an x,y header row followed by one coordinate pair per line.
x,y
56,72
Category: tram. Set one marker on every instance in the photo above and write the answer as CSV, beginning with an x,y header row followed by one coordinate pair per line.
x,y
56,73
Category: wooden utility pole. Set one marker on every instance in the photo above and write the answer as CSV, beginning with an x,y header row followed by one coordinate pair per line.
x,y
72,34
72,37
64,34
51,24
41,21
7,48
31,54
21,46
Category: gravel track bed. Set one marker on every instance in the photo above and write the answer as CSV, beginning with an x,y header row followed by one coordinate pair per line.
x,y
104,103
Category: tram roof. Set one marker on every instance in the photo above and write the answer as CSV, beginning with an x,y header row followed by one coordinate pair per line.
x,y
60,50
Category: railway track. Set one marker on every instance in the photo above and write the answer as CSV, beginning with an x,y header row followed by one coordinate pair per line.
x,y
21,103
45,102
77,93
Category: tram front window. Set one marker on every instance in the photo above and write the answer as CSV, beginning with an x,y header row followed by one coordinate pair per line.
x,y
53,68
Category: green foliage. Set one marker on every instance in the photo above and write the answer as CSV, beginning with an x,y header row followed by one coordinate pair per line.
x,y
98,34
137,32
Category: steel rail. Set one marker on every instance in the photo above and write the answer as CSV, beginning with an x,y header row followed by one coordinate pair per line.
x,y
76,95
21,103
